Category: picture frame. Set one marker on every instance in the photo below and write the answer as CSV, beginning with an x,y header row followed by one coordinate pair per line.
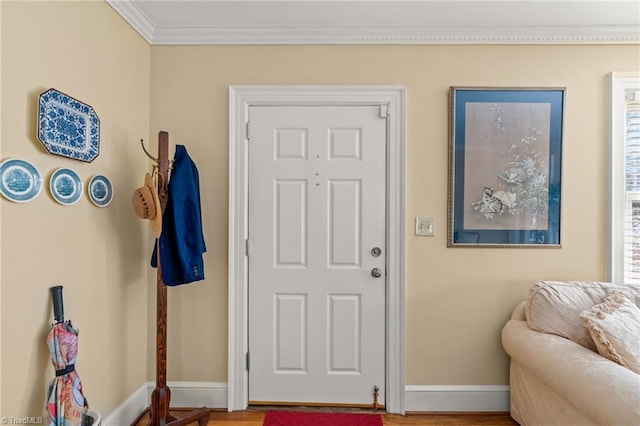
x,y
505,166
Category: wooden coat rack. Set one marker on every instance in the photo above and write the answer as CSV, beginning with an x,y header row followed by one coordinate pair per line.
x,y
161,396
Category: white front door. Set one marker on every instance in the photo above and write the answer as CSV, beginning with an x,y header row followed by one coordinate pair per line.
x,y
316,232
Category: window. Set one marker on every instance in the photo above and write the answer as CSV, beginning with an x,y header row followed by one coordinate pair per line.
x,y
624,243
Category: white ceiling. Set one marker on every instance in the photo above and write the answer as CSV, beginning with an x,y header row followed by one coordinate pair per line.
x,y
382,21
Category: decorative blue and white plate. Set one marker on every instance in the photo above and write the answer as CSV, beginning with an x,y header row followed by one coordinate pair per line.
x,y
67,126
65,186
20,181
100,190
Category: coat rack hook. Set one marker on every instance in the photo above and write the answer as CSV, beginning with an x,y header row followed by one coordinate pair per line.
x,y
147,152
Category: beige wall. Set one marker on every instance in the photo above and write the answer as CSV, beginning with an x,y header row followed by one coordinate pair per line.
x,y
457,300
98,254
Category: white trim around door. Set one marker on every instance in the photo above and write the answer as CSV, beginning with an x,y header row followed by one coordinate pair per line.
x,y
391,100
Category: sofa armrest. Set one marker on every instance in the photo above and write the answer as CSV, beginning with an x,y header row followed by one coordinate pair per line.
x,y
519,311
600,388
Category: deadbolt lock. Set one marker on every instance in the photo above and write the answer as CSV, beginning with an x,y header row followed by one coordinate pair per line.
x,y
376,251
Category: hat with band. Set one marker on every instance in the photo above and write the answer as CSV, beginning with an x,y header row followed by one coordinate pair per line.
x,y
146,204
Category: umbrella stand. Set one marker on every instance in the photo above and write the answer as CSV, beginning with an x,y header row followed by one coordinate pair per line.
x,y
161,396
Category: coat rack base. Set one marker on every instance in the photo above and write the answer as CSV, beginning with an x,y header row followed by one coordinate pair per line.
x,y
201,416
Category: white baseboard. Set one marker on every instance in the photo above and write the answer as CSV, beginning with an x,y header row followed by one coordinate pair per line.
x,y
456,398
183,394
130,409
417,398
197,394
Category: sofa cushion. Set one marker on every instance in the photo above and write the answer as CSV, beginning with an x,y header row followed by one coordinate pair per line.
x,y
614,326
555,306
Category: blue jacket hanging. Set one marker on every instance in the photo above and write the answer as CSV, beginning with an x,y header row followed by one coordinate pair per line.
x,y
182,241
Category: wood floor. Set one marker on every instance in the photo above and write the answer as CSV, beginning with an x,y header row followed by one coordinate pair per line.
x,y
255,416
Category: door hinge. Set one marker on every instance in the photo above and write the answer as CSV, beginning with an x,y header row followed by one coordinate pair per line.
x,y
248,361
247,246
248,131
384,111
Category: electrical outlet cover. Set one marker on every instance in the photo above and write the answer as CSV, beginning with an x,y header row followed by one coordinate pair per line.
x,y
424,226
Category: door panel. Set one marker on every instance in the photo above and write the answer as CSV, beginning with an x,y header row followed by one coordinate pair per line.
x,y
290,312
344,223
316,209
344,336
291,223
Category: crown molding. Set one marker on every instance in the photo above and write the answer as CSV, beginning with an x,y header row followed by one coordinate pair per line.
x,y
393,35
226,35
134,16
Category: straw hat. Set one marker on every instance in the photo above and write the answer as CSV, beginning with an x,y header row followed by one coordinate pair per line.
x,y
146,204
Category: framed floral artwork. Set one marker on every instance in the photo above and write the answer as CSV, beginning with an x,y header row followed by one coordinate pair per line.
x,y
505,166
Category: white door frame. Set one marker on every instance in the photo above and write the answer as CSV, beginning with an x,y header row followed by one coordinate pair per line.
x,y
391,100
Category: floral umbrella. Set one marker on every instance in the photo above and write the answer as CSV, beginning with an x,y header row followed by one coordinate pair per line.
x,y
66,404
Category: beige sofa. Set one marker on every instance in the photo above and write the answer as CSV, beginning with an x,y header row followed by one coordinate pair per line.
x,y
557,376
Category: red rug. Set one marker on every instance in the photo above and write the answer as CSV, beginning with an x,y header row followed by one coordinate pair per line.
x,y
295,418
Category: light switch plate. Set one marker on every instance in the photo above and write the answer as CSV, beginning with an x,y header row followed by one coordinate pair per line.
x,y
425,226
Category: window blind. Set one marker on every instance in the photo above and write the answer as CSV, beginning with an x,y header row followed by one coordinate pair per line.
x,y
632,192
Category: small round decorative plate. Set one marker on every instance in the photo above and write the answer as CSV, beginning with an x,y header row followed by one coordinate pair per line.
x,y
65,186
20,181
100,190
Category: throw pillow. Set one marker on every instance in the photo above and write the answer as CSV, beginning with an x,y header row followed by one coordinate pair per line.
x,y
614,325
